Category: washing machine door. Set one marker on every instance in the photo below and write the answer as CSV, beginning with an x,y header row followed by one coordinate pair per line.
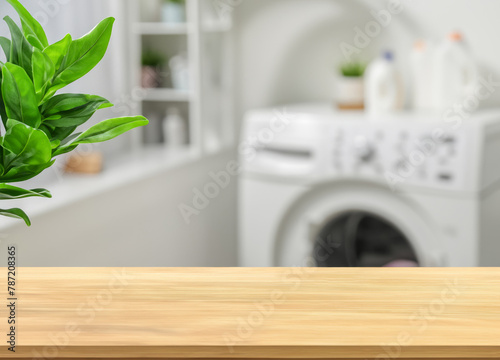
x,y
355,223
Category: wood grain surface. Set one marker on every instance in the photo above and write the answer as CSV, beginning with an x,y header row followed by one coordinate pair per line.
x,y
278,313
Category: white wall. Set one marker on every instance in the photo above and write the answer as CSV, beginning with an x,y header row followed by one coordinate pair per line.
x,y
288,50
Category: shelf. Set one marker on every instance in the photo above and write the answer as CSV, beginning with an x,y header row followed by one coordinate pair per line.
x,y
151,28
165,94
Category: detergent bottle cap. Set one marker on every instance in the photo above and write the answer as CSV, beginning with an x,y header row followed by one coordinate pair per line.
x,y
455,36
419,45
388,55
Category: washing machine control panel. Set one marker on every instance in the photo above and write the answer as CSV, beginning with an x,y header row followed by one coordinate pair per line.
x,y
399,153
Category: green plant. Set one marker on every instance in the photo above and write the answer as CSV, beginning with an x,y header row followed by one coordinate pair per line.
x,y
40,125
353,69
152,58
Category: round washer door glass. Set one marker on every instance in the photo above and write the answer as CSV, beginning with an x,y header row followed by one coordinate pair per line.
x,y
364,240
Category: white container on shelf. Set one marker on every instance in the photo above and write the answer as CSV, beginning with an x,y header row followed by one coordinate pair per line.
x,y
454,71
384,91
174,129
173,12
179,68
422,76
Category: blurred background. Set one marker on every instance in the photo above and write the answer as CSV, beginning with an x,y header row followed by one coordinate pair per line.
x,y
179,192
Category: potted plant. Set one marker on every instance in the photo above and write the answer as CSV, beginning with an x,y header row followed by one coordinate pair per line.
x,y
40,123
152,63
173,11
350,87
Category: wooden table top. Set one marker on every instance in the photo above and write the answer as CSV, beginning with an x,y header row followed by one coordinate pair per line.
x,y
278,313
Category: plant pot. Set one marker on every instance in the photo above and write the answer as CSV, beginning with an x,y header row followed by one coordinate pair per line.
x,y
150,77
173,13
350,93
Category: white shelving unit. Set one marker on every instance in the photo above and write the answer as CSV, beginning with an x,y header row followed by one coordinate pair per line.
x,y
207,106
165,94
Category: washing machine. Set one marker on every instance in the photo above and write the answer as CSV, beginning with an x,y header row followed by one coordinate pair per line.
x,y
320,187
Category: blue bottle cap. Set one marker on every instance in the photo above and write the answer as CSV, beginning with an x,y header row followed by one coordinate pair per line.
x,y
388,55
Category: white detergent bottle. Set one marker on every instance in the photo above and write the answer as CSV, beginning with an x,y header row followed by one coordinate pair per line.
x,y
422,65
384,91
455,72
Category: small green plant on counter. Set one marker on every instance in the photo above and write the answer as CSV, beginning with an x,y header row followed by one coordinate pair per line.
x,y
352,69
40,125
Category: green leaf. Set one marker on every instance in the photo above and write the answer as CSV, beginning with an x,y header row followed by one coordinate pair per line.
x,y
5,44
16,214
62,133
54,144
69,139
51,91
69,102
30,25
25,146
84,54
57,51
9,192
21,50
19,96
25,172
105,130
69,110
33,40
109,129
3,114
47,130
43,71
64,150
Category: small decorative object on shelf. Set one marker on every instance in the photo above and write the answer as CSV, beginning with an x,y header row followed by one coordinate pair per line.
x,y
39,125
84,163
174,129
152,63
350,87
173,11
179,68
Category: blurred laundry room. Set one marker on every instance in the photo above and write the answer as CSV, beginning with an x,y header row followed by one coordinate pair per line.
x,y
281,133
